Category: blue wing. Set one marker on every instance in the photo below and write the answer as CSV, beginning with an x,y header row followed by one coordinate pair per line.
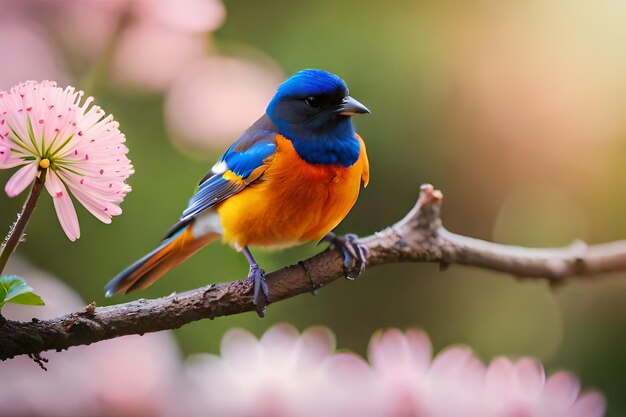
x,y
243,163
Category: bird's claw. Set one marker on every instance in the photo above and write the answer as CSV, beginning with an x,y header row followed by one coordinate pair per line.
x,y
257,278
353,251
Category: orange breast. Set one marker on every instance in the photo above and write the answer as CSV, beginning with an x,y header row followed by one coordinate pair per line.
x,y
293,202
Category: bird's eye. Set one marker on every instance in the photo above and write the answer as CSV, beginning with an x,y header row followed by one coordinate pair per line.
x,y
312,101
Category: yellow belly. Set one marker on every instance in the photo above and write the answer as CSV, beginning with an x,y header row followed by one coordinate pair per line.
x,y
293,202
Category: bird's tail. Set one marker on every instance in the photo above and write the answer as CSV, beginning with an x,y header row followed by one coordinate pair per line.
x,y
171,252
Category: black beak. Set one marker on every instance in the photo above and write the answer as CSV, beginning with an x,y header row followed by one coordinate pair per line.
x,y
350,107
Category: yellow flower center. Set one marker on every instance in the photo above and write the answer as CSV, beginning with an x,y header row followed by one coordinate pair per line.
x,y
44,163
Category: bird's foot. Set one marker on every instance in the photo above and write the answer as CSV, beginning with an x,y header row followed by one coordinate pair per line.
x,y
353,253
257,277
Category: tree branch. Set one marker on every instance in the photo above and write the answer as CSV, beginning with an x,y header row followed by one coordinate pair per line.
x,y
419,237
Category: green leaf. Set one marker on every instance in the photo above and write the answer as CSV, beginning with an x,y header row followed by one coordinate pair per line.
x,y
14,289
3,295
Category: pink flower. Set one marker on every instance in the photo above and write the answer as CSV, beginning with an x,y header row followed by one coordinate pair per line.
x,y
520,389
287,374
413,384
152,56
19,32
47,129
196,16
456,383
203,107
282,374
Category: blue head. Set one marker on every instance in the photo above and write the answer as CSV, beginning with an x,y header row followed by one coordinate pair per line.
x,y
313,110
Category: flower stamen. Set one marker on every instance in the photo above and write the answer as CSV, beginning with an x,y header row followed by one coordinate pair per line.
x,y
44,163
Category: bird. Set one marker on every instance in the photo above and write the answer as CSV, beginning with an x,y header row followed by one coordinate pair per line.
x,y
290,178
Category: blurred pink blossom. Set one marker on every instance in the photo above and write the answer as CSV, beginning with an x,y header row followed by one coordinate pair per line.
x,y
28,48
284,374
212,102
148,41
521,389
150,56
84,27
79,147
161,38
189,15
456,383
158,45
287,374
413,384
129,376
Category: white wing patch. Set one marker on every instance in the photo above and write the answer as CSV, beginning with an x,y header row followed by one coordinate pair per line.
x,y
205,223
220,167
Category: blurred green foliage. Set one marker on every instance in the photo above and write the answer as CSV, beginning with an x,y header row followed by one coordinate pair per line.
x,y
397,59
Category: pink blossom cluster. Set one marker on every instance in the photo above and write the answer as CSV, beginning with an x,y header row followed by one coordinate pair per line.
x,y
161,46
290,374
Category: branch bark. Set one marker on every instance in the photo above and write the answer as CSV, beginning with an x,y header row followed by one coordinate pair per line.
x,y
418,237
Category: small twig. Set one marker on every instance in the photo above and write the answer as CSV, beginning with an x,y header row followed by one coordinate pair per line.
x,y
419,237
39,360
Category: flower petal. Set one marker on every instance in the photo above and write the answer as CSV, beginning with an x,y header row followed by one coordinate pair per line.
x,y
237,344
21,179
90,203
11,162
590,404
561,390
389,350
63,206
5,151
420,347
449,363
315,343
530,377
280,338
499,378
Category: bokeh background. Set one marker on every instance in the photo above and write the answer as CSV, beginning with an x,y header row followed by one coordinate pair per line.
x,y
516,110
